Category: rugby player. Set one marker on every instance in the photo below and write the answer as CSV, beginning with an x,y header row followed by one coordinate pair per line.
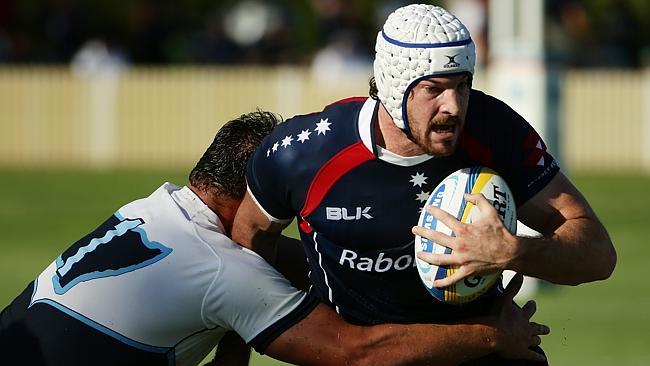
x,y
356,176
160,282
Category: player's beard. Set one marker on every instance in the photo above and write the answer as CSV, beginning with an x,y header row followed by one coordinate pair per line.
x,y
438,137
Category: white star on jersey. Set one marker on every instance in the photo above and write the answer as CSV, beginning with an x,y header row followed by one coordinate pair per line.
x,y
422,196
323,126
275,147
540,147
268,153
418,179
287,141
304,136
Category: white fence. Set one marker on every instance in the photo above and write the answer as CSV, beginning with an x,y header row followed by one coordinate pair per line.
x,y
168,116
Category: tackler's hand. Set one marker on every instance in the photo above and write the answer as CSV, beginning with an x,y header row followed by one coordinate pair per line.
x,y
481,247
517,333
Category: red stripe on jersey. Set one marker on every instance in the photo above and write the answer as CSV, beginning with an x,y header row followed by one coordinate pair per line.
x,y
350,100
346,100
476,150
346,160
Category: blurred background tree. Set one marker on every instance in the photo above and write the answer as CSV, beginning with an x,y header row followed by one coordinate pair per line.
x,y
581,33
598,33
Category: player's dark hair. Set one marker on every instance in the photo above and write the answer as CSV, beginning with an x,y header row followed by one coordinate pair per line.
x,y
372,84
222,167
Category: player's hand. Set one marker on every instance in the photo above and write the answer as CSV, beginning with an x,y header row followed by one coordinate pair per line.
x,y
232,350
480,247
515,332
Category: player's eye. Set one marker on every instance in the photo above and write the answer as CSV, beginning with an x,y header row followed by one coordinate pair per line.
x,y
433,90
465,86
466,83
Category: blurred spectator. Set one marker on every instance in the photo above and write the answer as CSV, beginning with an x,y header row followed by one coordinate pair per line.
x,y
473,13
620,33
340,58
147,32
248,21
5,45
212,45
5,38
346,41
67,24
95,58
580,34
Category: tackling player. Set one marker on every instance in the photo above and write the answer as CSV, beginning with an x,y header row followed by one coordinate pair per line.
x,y
357,174
159,283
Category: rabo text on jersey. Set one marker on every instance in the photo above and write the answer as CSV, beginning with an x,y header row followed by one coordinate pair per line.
x,y
380,263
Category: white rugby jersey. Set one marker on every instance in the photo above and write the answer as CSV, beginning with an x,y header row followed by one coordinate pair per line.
x,y
157,283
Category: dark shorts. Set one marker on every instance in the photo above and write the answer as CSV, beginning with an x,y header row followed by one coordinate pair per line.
x,y
41,335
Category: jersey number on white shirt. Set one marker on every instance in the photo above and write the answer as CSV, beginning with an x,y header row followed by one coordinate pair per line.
x,y
117,246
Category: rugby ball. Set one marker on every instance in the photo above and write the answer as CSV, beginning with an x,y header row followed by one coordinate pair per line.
x,y
449,196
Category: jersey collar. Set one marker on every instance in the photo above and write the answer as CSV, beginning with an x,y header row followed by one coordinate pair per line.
x,y
366,123
196,210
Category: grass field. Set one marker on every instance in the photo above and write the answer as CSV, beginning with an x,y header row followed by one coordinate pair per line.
x,y
603,323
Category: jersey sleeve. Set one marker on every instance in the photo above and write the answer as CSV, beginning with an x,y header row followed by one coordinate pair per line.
x,y
267,175
536,164
250,297
530,166
516,151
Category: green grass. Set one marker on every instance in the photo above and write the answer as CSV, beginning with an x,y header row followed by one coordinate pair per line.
x,y
602,323
606,323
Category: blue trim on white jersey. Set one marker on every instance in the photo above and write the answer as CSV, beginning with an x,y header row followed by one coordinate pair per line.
x,y
101,328
31,299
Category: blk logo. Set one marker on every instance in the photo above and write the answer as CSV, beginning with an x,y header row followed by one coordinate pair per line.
x,y
342,213
452,62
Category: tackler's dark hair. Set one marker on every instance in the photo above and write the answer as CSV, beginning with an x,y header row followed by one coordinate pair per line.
x,y
222,168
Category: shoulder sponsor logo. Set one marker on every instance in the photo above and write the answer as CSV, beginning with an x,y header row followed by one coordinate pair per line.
x,y
452,62
342,213
544,173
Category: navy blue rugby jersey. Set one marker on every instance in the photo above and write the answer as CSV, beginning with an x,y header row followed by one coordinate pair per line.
x,y
356,202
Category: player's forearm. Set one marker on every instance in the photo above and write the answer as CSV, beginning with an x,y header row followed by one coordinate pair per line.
x,y
323,339
420,344
578,251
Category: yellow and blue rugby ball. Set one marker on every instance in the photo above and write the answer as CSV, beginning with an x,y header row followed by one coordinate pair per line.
x,y
449,196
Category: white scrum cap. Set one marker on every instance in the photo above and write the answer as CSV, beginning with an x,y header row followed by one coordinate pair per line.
x,y
418,41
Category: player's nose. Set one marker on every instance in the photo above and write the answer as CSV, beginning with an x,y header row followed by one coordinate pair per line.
x,y
451,102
